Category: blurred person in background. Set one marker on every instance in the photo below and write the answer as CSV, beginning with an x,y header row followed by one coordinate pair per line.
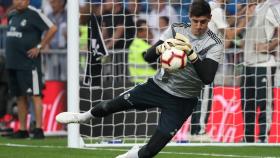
x,y
161,8
4,8
118,31
23,44
118,25
163,23
260,40
139,69
219,24
56,63
59,17
236,11
136,7
46,7
227,34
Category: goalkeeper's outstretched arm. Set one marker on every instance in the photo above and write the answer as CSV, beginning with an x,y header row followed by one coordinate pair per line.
x,y
206,69
150,55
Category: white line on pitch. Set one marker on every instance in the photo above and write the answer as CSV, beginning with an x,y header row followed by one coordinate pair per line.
x,y
31,146
208,154
163,152
196,154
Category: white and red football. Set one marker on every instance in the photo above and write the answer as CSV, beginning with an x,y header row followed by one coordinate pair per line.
x,y
173,59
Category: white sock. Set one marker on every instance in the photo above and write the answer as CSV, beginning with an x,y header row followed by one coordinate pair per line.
x,y
86,116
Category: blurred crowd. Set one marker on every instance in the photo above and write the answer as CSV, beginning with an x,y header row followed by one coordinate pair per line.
x,y
158,14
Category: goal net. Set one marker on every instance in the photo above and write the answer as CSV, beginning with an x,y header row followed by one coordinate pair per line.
x,y
112,35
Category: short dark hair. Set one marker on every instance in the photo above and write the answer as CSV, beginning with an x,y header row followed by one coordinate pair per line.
x,y
200,8
139,24
165,18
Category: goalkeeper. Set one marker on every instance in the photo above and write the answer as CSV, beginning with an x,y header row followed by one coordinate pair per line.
x,y
174,92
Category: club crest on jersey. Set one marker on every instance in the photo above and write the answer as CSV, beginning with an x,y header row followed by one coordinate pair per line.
x,y
23,22
126,96
195,48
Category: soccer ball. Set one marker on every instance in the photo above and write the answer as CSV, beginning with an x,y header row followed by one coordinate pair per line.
x,y
173,59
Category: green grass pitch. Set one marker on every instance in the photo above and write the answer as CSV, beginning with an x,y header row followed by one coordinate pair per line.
x,y
56,147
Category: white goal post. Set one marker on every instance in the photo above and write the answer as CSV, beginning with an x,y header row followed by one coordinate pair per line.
x,y
217,121
73,70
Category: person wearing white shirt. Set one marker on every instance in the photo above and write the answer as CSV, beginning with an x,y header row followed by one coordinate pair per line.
x,y
261,39
219,24
161,8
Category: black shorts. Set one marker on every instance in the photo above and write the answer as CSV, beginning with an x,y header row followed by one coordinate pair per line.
x,y
25,82
174,110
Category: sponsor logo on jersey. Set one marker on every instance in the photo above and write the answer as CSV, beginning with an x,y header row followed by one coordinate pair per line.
x,y
126,96
23,22
14,34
